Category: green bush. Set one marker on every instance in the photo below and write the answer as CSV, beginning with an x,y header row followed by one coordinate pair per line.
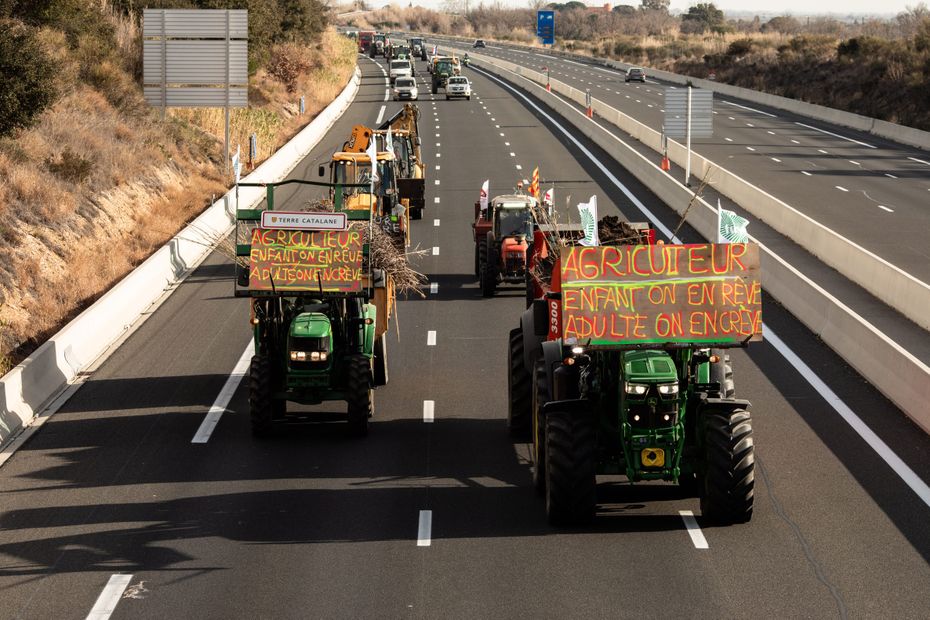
x,y
27,77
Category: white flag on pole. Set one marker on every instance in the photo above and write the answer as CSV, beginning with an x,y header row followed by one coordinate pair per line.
x,y
731,228
237,164
588,212
389,141
483,196
549,196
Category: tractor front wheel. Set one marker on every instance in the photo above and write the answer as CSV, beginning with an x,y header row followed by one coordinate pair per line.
x,y
571,482
541,396
518,388
489,273
261,406
728,481
481,254
360,397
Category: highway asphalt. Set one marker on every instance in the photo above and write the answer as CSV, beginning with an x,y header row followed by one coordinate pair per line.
x,y
872,191
438,519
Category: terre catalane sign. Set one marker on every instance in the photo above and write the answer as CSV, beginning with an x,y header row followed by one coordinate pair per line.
x,y
298,260
707,294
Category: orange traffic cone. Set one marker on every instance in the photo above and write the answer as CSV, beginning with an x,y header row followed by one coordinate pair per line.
x,y
666,165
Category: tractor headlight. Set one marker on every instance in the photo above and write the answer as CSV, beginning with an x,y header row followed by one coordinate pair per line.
x,y
576,350
298,356
668,389
635,388
304,356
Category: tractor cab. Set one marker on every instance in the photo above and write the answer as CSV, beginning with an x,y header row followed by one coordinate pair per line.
x,y
502,238
355,169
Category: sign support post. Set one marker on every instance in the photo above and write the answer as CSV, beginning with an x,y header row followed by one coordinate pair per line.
x,y
688,141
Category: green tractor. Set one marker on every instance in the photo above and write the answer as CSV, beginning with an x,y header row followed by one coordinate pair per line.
x,y
443,69
314,312
606,390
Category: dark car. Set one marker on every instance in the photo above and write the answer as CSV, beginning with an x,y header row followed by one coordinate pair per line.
x,y
635,74
479,43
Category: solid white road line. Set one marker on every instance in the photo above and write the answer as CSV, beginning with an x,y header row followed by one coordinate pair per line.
x,y
904,472
431,338
429,410
425,529
841,188
109,598
435,250
436,222
907,475
919,161
222,400
884,208
748,108
836,135
380,115
694,530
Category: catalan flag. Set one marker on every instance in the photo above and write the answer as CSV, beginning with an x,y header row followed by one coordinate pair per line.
x,y
534,184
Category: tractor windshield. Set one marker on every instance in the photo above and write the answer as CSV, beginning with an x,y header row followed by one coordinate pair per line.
x,y
515,222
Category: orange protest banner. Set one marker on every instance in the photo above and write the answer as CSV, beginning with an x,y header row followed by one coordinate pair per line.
x,y
707,294
300,260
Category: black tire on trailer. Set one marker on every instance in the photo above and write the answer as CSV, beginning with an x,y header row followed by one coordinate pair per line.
x,y
571,483
722,373
519,388
261,410
381,361
359,394
542,394
728,480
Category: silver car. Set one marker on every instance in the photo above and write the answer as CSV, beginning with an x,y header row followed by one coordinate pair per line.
x,y
405,88
458,86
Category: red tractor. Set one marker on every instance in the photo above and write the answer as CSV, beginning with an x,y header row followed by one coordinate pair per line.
x,y
503,235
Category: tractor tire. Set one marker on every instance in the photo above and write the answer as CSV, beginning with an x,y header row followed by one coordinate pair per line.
x,y
571,483
381,361
435,90
261,406
478,260
542,394
519,389
529,287
482,259
722,373
728,480
360,396
448,97
488,279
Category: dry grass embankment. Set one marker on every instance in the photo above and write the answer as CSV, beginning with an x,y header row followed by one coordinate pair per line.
x,y
100,182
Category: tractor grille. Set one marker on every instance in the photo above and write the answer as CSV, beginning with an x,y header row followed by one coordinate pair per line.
x,y
515,265
308,345
652,411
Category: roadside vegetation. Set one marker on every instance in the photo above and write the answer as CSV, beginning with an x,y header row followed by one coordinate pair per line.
x,y
875,67
92,180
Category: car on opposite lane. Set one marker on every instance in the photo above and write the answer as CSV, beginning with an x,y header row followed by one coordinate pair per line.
x,y
635,74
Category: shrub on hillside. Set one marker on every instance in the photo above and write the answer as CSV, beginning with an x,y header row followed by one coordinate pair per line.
x,y
69,166
288,62
27,77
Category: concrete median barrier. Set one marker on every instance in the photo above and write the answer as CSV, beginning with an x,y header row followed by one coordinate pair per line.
x,y
900,376
34,383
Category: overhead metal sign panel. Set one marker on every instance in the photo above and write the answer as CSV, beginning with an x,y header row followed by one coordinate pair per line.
x,y
195,58
676,113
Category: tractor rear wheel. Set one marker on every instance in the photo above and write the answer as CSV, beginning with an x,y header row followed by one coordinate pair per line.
x,y
722,373
571,483
489,273
519,388
260,402
727,490
381,361
541,396
359,394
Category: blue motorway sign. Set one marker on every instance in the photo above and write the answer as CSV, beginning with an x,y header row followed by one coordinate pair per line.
x,y
545,26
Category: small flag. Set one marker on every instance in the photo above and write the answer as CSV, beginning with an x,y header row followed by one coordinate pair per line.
x,y
389,141
549,196
483,196
731,228
588,213
534,186
237,164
